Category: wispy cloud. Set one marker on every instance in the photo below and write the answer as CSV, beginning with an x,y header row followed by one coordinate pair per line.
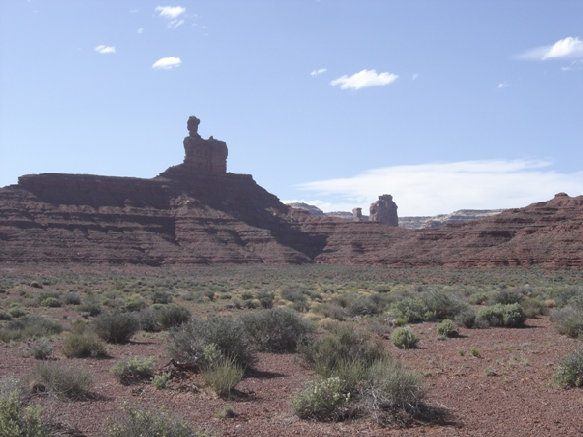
x,y
140,30
502,85
167,63
438,188
105,50
318,72
171,13
415,76
364,78
569,47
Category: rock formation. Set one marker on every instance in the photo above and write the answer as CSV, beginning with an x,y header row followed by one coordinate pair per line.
x,y
356,214
384,211
196,212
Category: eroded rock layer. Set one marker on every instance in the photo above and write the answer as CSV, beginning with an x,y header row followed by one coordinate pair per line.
x,y
197,212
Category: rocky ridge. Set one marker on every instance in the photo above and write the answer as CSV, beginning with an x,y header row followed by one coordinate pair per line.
x,y
197,212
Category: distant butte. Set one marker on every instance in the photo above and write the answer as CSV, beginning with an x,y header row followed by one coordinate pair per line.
x,y
198,213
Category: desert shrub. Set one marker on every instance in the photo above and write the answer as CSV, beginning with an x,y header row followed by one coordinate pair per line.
x,y
61,381
413,310
72,298
91,307
36,284
15,419
332,311
447,328
297,297
138,422
133,369
391,392
116,327
51,302
161,380
569,372
222,373
322,399
265,298
442,304
161,297
533,308
341,351
467,317
149,320
4,315
478,298
505,297
186,343
82,342
404,338
29,327
173,315
17,312
40,349
276,329
568,321
135,304
366,306
511,315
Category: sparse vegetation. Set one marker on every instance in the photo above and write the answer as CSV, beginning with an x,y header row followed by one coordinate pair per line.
x,y
116,327
82,342
66,382
447,328
133,369
569,371
16,419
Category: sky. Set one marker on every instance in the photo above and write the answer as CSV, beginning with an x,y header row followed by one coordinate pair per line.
x,y
446,105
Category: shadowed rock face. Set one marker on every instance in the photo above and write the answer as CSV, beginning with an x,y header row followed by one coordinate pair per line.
x,y
197,212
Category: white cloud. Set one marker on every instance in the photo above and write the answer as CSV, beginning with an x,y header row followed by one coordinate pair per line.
x,y
140,30
502,85
364,78
167,63
440,188
170,12
569,47
318,72
104,50
415,76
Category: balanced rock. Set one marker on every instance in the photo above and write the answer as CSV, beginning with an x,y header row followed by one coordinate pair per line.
x,y
384,211
204,156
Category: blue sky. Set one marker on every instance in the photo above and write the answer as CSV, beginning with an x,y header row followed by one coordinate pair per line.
x,y
443,104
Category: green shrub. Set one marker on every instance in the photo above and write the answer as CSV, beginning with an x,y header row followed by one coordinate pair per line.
x,y
173,315
478,298
366,305
505,297
569,372
220,372
447,328
29,327
343,350
276,329
138,422
322,399
116,327
568,321
404,338
391,392
61,381
133,369
297,297
82,343
511,315
413,310
4,315
161,381
186,343
17,312
51,302
442,304
533,308
265,298
161,297
15,419
135,304
466,318
332,311
91,307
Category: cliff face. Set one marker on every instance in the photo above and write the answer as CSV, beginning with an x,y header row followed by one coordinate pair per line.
x,y
197,212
